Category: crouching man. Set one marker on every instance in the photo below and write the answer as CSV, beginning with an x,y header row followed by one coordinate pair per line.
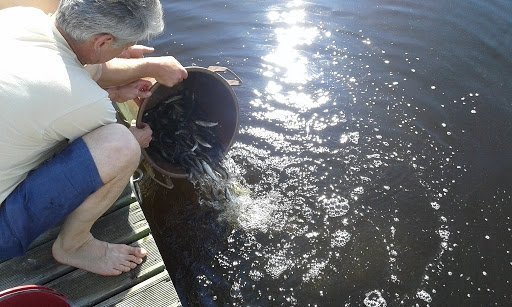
x,y
63,157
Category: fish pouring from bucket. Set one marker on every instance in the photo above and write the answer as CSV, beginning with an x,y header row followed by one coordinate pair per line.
x,y
183,136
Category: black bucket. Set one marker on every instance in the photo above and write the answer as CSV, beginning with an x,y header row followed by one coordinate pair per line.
x,y
214,97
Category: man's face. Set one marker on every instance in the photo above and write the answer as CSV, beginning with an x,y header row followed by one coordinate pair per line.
x,y
115,50
106,49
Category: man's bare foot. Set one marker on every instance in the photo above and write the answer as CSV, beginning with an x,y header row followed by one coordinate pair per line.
x,y
99,257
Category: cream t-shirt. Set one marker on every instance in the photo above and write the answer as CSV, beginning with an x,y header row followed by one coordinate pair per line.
x,y
47,96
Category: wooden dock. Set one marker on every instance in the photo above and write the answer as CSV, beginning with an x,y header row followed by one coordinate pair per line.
x,y
147,285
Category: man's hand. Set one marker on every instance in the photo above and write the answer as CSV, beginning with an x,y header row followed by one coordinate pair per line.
x,y
165,70
137,90
136,52
142,135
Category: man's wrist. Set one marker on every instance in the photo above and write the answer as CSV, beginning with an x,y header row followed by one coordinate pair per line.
x,y
147,67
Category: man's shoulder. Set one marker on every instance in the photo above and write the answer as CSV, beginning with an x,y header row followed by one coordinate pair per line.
x,y
25,26
21,10
15,17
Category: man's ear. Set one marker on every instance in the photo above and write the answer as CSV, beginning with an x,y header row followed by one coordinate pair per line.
x,y
103,40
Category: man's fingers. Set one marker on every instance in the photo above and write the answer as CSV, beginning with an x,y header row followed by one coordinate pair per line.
x,y
144,49
138,51
144,94
184,73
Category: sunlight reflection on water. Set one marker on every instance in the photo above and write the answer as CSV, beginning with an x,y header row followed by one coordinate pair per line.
x,y
311,212
350,153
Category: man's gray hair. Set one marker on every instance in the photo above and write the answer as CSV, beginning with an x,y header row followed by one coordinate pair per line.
x,y
128,21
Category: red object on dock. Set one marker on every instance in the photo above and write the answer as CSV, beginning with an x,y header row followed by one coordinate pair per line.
x,y
32,296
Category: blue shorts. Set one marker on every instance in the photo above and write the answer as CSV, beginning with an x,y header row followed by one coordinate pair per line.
x,y
44,199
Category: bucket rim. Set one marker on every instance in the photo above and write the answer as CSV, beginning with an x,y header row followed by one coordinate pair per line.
x,y
157,85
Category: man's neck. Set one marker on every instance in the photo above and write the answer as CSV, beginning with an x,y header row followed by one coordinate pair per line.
x,y
79,49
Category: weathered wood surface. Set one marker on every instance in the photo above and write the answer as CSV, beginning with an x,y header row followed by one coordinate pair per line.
x,y
123,223
153,292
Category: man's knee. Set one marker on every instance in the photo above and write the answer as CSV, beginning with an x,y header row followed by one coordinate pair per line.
x,y
113,148
121,140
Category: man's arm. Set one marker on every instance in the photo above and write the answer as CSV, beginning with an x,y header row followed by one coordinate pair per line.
x,y
165,70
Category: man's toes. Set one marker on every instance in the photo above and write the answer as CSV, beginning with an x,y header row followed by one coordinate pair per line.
x,y
133,259
131,265
139,252
123,268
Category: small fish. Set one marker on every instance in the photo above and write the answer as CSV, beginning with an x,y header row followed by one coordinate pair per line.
x,y
195,146
203,156
201,141
207,169
227,194
179,108
173,99
165,155
204,123
198,165
220,170
164,139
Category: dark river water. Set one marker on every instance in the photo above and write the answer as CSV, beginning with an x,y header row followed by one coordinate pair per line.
x,y
374,156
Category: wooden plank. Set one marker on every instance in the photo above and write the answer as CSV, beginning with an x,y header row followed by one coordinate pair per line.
x,y
122,226
158,291
83,288
125,225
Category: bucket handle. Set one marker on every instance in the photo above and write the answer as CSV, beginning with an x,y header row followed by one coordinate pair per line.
x,y
168,182
235,82
134,184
